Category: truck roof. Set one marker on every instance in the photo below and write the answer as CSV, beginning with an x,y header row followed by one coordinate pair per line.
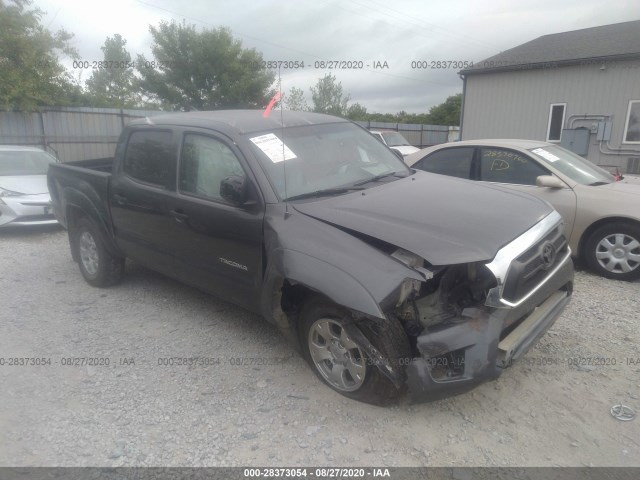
x,y
240,121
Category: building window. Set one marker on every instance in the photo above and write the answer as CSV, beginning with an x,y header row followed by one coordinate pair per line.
x,y
556,121
632,126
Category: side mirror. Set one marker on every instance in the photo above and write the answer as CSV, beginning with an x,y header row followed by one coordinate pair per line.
x,y
235,189
549,181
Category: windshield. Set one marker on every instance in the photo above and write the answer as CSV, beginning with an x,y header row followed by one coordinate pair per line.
x,y
321,157
24,162
573,166
394,139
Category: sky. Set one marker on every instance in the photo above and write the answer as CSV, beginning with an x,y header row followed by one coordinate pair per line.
x,y
385,38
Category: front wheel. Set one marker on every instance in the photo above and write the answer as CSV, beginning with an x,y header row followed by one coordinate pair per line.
x,y
613,251
98,267
340,362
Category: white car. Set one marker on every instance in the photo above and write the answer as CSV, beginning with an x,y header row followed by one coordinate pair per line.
x,y
24,196
395,141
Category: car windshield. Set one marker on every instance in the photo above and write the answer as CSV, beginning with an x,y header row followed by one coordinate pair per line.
x,y
573,166
24,162
394,139
326,158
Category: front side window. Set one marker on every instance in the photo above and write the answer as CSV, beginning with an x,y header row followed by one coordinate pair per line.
x,y
556,121
455,162
632,125
501,165
149,157
204,163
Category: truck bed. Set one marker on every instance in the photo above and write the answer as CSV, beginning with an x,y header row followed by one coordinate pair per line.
x,y
83,184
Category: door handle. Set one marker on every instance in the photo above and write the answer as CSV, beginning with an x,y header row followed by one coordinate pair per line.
x,y
179,215
120,199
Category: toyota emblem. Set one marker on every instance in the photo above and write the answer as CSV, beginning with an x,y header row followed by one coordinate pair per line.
x,y
548,255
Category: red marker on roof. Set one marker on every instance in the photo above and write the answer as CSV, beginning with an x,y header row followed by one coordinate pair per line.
x,y
273,101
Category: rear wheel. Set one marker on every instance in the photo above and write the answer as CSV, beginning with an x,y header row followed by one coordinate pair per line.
x,y
98,267
613,251
341,362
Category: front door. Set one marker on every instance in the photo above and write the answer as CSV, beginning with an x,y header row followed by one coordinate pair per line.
x,y
218,244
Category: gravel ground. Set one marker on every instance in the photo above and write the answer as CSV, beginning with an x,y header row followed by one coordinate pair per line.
x,y
272,410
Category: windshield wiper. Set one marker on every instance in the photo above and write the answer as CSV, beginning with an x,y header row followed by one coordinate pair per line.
x,y
375,178
323,192
597,184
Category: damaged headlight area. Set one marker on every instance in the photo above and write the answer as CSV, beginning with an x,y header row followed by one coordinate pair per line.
x,y
463,326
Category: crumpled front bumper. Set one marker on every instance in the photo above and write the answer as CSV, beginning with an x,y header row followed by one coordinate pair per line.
x,y
486,341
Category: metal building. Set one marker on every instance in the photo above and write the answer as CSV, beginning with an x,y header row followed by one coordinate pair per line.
x,y
580,89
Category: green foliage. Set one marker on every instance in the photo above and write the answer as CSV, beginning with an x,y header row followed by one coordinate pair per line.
x,y
328,98
114,85
294,100
202,70
31,74
357,112
447,113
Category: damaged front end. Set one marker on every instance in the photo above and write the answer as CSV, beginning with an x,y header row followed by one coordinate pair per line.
x,y
467,322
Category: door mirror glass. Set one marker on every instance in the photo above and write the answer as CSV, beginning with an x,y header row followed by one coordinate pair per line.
x,y
234,189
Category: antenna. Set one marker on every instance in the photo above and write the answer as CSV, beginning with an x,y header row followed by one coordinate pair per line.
x,y
284,161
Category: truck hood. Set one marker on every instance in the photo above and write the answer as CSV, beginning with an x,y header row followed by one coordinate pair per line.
x,y
445,220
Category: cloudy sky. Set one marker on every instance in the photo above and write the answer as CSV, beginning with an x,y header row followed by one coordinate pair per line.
x,y
367,31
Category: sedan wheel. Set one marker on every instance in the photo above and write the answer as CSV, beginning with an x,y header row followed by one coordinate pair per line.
x,y
613,251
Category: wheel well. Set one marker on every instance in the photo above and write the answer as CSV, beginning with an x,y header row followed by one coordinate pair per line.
x,y
600,223
294,295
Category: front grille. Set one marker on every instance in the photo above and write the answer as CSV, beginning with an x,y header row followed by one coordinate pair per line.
x,y
532,267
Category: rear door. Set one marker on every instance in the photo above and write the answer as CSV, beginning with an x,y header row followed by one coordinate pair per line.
x,y
218,245
141,197
518,171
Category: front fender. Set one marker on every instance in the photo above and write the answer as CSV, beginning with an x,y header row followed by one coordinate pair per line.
x,y
327,279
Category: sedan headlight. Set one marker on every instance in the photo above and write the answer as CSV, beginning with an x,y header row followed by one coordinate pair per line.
x,y
8,193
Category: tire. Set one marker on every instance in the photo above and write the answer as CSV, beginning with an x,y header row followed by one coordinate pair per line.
x,y
98,267
613,251
356,377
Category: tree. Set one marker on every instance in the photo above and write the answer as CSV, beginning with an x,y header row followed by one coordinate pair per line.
x,y
115,84
295,100
357,112
202,70
30,70
447,113
328,98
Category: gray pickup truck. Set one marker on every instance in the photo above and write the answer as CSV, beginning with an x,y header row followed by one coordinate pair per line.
x,y
385,278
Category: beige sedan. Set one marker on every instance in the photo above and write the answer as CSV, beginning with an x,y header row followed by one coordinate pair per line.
x,y
602,215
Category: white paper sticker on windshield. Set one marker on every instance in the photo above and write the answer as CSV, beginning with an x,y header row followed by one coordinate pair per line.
x,y
273,148
546,155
